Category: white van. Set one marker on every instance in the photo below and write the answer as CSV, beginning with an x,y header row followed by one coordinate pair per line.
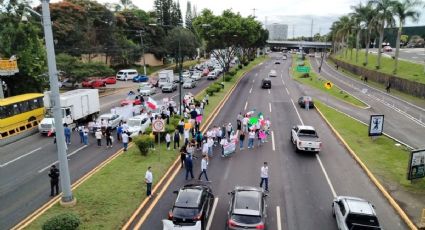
x,y
127,74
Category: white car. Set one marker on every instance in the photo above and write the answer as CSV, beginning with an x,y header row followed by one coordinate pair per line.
x,y
147,90
186,74
189,84
212,75
196,76
112,119
138,124
169,225
272,73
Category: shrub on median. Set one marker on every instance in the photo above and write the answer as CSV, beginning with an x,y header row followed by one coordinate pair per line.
x,y
65,221
210,91
144,142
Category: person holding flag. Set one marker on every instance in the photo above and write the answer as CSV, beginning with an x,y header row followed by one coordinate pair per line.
x,y
152,104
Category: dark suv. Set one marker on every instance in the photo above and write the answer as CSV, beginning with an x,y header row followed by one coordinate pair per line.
x,y
193,204
247,209
266,83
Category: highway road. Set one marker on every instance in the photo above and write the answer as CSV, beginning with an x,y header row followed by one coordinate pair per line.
x,y
302,185
409,54
24,165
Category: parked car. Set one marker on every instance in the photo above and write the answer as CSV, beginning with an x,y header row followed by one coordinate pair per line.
x,y
305,138
189,84
147,90
112,119
110,80
141,78
131,100
196,76
388,49
193,204
138,124
169,87
205,72
272,73
302,101
354,213
93,83
247,209
266,83
66,83
284,57
212,75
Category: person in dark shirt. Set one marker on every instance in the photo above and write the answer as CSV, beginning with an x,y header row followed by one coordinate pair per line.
x,y
54,180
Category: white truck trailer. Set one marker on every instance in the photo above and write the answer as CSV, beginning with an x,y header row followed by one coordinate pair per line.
x,y
76,105
165,76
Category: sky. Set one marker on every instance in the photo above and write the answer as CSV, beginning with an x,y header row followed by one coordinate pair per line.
x,y
297,14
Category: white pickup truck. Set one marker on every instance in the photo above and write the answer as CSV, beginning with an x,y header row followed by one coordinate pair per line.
x,y
305,138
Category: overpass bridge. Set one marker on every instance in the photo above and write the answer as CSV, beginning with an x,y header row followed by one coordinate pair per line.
x,y
305,45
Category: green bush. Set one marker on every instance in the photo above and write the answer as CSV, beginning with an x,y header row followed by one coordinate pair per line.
x,y
216,87
148,130
228,78
232,72
210,91
144,142
240,66
64,221
246,63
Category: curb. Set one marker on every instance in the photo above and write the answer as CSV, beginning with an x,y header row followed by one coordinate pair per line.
x,y
372,177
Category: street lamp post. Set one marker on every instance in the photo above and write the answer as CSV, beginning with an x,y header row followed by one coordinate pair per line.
x,y
143,51
57,113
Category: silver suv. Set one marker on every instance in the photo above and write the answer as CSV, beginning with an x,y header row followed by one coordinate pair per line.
x,y
352,213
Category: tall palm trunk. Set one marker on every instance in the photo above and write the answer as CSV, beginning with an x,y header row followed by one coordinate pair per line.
x,y
357,44
397,47
381,39
369,31
346,45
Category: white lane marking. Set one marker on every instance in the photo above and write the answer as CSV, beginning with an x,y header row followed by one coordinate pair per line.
x,y
20,157
269,91
273,144
287,91
212,213
296,110
415,57
281,76
246,105
279,221
326,175
69,155
250,91
270,107
253,80
283,82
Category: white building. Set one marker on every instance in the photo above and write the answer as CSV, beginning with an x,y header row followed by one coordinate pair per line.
x,y
277,32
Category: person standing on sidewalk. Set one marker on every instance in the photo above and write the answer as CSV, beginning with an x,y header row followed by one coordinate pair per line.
x,y
98,135
168,140
204,165
265,176
189,165
54,180
148,181
241,140
125,140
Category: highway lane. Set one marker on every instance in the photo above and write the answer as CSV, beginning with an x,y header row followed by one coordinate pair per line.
x,y
403,120
25,185
299,188
416,55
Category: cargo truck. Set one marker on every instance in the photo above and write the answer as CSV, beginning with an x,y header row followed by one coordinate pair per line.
x,y
77,106
164,77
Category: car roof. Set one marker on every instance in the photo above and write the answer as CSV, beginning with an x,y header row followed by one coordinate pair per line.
x,y
358,205
106,115
127,70
247,201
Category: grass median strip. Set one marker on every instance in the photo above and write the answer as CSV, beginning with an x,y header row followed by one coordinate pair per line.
x,y
108,198
314,80
382,156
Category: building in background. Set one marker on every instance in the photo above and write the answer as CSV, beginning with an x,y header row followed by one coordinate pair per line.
x,y
277,32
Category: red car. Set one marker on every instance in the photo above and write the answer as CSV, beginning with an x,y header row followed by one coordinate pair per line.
x,y
131,100
93,83
110,80
205,72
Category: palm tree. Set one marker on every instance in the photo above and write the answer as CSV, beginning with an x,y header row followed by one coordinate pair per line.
x,y
404,10
369,20
345,27
362,17
384,16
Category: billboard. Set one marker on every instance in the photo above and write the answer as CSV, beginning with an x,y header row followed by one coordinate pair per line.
x,y
416,165
376,125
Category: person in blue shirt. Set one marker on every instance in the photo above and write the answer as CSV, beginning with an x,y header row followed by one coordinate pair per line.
x,y
119,132
67,132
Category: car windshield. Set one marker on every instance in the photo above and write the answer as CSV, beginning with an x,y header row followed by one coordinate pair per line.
x,y
132,123
248,200
246,219
185,212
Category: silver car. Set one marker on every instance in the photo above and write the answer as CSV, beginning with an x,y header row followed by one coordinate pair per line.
x,y
189,84
147,90
112,119
169,87
352,213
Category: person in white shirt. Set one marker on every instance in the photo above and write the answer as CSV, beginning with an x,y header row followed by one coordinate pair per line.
x,y
125,126
204,148
98,135
168,140
251,138
223,142
245,124
148,181
265,176
125,138
204,165
210,143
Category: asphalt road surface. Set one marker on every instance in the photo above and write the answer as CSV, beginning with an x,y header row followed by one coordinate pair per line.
x,y
302,185
409,54
24,165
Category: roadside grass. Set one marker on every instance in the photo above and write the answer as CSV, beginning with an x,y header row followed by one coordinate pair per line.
x,y
394,92
314,80
109,197
387,161
407,70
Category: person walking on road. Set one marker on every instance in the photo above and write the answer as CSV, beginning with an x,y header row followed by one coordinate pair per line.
x,y
119,132
241,140
108,136
81,133
210,143
125,139
67,132
182,155
189,165
98,135
148,181
265,176
229,130
86,135
176,139
204,165
168,140
54,180
388,88
251,137
223,142
307,103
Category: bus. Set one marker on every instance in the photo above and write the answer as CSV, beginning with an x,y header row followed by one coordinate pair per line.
x,y
20,113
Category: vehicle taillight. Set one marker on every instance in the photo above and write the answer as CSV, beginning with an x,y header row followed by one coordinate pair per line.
x,y
320,145
170,215
231,223
260,226
198,217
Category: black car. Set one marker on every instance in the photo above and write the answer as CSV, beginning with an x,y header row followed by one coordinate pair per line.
x,y
277,61
247,209
193,204
266,83
302,101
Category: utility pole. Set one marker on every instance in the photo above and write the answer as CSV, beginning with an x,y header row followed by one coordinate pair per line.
x,y
293,31
143,51
57,112
180,76
311,30
253,12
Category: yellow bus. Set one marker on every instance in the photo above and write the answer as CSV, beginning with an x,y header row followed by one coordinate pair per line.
x,y
20,113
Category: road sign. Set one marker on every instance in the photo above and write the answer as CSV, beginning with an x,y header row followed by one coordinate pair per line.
x,y
303,69
376,125
8,67
328,85
158,125
417,165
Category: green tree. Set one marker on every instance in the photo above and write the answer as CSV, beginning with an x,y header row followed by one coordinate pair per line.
x,y
176,15
404,38
189,16
183,38
404,10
